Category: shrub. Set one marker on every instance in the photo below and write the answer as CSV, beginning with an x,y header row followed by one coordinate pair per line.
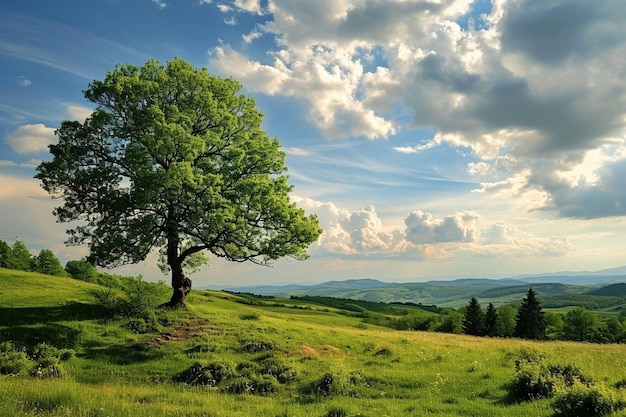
x,y
336,412
256,346
13,361
258,385
211,374
249,316
533,380
530,383
277,369
584,401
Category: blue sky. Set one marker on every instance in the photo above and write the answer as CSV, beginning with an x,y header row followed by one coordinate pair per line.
x,y
433,139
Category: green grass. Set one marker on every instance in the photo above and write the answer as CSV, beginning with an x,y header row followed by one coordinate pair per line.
x,y
375,371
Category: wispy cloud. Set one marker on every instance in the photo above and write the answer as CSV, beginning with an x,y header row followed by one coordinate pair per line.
x,y
60,47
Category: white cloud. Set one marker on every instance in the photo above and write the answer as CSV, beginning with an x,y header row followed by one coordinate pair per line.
x,y
422,228
506,90
358,232
296,151
251,6
79,113
478,168
224,8
160,4
7,163
23,82
362,233
31,138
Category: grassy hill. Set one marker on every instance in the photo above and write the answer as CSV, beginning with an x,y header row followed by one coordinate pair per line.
x,y
239,355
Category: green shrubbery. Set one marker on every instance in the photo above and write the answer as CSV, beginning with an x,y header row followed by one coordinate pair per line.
x,y
261,376
575,394
42,361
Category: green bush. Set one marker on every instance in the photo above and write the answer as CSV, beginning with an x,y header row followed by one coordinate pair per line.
x,y
534,380
530,383
257,346
42,361
336,412
584,401
211,374
249,316
275,368
13,361
255,384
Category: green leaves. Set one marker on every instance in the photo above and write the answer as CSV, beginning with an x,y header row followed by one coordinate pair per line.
x,y
175,158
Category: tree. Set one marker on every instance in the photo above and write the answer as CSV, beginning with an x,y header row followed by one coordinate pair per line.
x,y
174,159
581,325
47,263
81,270
474,319
19,257
491,321
5,251
506,320
530,322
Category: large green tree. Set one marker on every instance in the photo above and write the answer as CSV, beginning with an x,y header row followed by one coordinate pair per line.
x,y
530,322
174,158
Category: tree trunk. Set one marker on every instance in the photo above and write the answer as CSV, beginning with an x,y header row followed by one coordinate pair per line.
x,y
181,286
180,283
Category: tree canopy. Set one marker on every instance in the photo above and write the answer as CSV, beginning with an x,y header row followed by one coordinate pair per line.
x,y
173,158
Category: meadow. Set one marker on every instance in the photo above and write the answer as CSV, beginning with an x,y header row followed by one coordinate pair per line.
x,y
225,354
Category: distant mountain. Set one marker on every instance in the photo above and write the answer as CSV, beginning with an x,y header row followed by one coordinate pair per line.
x,y
613,290
455,293
588,280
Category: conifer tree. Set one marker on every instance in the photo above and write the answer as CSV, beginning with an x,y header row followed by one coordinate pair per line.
x,y
5,251
474,319
530,322
491,321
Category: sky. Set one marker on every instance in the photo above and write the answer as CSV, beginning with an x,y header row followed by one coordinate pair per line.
x,y
434,139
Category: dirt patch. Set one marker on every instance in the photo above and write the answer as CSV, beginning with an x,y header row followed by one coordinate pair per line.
x,y
192,328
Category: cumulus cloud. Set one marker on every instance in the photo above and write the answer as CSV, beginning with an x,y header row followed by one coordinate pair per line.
x,y
352,232
502,238
362,233
422,228
31,138
539,83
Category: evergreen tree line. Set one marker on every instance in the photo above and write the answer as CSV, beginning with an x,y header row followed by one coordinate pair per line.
x,y
19,257
530,322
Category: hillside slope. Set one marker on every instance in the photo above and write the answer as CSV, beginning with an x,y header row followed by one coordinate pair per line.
x,y
261,357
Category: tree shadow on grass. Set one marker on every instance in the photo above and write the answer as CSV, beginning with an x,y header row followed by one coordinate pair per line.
x,y
29,326
123,354
71,311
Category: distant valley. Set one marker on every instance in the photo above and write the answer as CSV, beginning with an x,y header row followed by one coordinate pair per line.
x,y
556,289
